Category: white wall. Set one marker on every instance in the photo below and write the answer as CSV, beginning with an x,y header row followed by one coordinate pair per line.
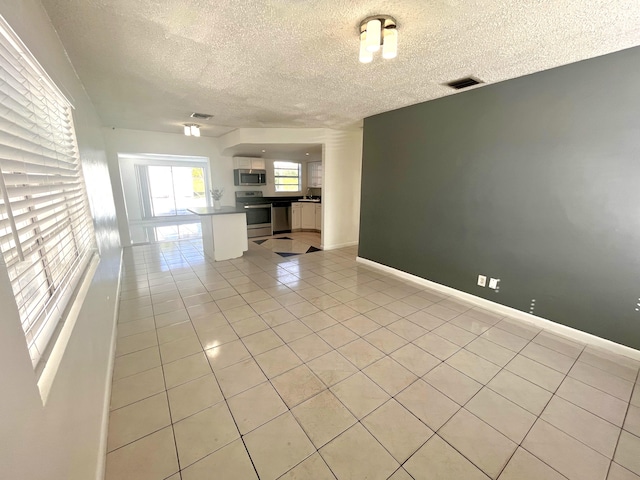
x,y
341,187
143,142
342,166
61,440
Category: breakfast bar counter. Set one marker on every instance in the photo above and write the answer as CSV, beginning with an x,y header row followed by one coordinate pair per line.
x,y
224,231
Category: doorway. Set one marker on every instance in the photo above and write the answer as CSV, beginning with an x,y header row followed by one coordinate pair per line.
x,y
159,190
168,191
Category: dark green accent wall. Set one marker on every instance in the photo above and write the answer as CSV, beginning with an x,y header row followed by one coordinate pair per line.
x,y
535,181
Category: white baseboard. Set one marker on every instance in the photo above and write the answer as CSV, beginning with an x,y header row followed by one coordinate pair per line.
x,y
340,245
513,313
104,429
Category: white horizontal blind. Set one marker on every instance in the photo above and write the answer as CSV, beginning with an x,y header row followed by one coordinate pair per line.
x,y
315,173
46,232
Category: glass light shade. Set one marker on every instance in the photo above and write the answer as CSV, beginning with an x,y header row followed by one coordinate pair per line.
x,y
365,55
195,130
390,43
373,35
187,130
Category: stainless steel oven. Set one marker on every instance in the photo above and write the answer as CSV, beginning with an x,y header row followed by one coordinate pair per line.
x,y
258,213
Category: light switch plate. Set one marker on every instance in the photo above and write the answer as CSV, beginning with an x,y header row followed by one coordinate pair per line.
x,y
493,283
482,280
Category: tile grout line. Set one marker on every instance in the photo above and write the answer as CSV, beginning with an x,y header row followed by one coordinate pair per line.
x,y
164,380
539,417
300,319
480,419
365,367
317,450
615,450
268,380
223,398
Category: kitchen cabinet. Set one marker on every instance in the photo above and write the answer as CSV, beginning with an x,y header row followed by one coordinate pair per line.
x,y
248,163
318,217
314,174
308,216
296,216
224,232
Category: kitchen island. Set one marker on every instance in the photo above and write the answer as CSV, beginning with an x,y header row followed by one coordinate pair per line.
x,y
224,232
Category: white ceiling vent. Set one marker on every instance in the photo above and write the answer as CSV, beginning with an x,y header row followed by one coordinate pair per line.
x,y
201,116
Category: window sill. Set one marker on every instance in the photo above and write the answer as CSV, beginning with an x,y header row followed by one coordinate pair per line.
x,y
49,365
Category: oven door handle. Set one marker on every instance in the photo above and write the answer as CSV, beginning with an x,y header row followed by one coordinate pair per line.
x,y
268,205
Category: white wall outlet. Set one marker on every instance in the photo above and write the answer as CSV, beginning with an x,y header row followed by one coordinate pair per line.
x,y
482,280
493,283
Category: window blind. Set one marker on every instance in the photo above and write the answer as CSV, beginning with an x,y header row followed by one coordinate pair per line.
x,y
46,231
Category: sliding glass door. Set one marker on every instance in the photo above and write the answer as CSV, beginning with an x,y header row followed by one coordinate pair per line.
x,y
159,190
170,190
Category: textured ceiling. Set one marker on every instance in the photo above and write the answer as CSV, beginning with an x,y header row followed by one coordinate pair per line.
x,y
147,64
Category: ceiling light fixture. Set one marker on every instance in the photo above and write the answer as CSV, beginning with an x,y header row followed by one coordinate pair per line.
x,y
375,32
191,129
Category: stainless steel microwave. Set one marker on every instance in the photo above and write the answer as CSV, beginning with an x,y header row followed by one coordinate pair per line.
x,y
245,177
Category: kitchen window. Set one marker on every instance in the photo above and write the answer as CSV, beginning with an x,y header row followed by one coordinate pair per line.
x,y
46,231
287,176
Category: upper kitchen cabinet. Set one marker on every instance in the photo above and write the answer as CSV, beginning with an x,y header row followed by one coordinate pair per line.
x,y
314,172
248,163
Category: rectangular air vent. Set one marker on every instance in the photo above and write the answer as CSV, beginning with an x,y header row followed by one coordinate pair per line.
x,y
201,116
464,83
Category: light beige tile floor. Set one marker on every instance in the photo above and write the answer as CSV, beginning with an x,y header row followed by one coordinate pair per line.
x,y
316,367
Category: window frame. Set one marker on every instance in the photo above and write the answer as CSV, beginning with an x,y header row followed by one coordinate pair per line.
x,y
287,165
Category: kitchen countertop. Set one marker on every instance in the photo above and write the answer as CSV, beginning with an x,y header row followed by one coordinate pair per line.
x,y
282,201
288,199
292,200
213,211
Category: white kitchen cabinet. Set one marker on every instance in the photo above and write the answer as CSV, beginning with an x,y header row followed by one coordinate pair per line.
x,y
318,216
224,234
314,174
296,216
249,163
308,216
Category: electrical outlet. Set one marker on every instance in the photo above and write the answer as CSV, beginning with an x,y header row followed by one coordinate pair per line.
x,y
493,283
482,280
